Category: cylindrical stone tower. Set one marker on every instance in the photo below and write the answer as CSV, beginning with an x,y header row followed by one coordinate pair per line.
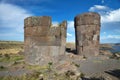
x,y
87,31
42,40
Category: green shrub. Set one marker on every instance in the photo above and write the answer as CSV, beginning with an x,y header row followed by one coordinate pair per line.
x,y
50,66
7,56
11,58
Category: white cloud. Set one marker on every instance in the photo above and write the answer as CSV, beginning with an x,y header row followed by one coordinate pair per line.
x,y
104,32
110,37
110,22
112,16
114,36
55,23
70,31
98,7
70,24
107,14
12,17
68,34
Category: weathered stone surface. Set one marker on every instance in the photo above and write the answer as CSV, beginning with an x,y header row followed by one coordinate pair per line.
x,y
42,40
87,28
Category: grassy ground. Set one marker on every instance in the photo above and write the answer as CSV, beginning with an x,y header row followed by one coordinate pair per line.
x,y
11,61
10,58
16,62
70,45
46,72
10,47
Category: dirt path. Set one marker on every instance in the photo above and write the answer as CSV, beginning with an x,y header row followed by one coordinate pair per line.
x,y
14,73
98,66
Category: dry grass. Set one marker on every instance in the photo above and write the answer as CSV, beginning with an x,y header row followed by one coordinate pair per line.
x,y
70,45
11,58
10,47
10,51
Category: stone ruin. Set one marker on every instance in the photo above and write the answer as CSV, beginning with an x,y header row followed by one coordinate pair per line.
x,y
42,40
87,30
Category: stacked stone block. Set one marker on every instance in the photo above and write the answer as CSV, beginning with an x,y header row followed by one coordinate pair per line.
x,y
87,30
42,40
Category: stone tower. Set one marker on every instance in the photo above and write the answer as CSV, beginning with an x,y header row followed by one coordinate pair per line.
x,y
87,31
42,40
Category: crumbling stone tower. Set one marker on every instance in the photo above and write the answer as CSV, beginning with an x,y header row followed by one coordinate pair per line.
x,y
87,30
42,40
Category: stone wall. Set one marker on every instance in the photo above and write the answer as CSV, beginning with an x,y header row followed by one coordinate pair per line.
x,y
42,40
87,30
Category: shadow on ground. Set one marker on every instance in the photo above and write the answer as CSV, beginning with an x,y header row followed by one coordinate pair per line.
x,y
93,78
115,73
69,50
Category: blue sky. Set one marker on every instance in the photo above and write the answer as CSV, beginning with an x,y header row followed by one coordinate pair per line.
x,y
13,13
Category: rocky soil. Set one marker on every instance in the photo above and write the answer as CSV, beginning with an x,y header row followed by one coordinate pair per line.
x,y
66,67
